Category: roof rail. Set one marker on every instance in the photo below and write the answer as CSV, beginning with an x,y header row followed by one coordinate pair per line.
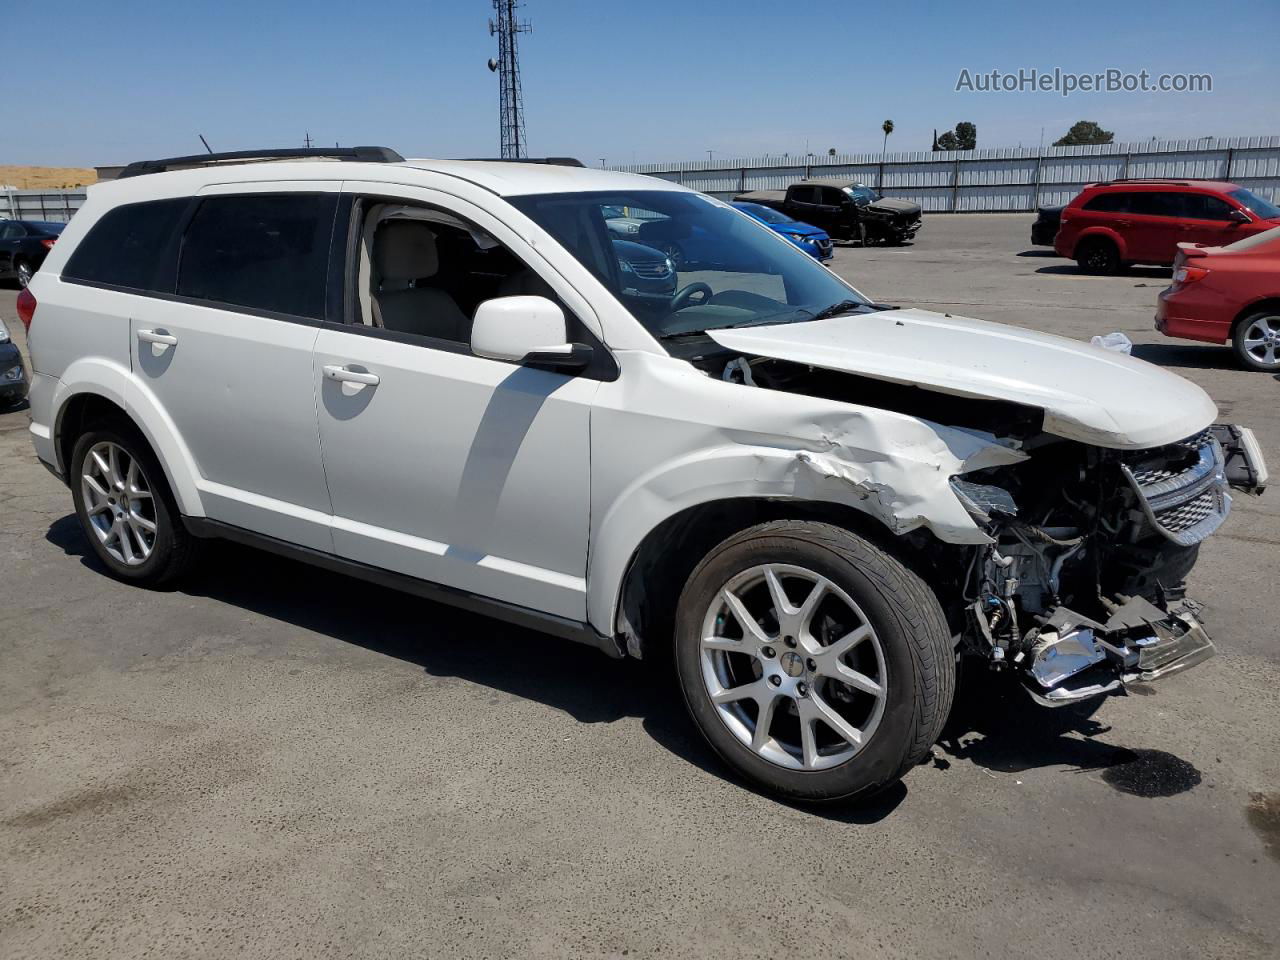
x,y
553,161
1176,181
357,154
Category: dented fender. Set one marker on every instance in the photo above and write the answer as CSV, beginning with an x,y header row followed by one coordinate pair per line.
x,y
666,437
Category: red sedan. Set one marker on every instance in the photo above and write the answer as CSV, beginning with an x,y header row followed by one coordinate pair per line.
x,y
1232,293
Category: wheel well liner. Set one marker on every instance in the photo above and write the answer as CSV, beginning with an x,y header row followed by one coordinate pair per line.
x,y
1266,303
78,414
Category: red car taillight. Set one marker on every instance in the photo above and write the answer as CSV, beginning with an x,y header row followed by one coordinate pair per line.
x,y
48,242
1185,275
26,307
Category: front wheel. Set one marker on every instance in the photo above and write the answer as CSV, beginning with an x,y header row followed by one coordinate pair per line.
x,y
814,663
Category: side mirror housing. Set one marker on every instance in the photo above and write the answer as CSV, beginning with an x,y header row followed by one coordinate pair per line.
x,y
528,330
1239,216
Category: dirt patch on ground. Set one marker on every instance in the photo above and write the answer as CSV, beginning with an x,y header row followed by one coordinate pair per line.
x,y
54,178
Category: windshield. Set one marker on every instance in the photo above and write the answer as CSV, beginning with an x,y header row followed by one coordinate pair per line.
x,y
1263,208
730,270
862,195
763,213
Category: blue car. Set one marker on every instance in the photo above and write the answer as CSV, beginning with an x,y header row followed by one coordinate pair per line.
x,y
811,240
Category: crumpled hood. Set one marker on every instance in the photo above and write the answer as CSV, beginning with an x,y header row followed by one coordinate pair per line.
x,y
895,206
1088,394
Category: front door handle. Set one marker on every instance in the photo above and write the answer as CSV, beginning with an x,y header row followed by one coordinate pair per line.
x,y
158,336
345,375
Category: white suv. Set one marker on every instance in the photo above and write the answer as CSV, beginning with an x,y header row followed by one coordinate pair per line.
x,y
443,376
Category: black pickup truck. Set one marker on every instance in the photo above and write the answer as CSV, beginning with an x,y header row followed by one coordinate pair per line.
x,y
847,210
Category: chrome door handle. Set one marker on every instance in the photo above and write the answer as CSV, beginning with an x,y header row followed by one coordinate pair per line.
x,y
155,336
343,375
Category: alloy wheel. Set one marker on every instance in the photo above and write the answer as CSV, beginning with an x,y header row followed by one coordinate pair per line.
x,y
119,503
1262,341
24,273
793,667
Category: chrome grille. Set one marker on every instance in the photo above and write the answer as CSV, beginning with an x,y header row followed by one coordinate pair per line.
x,y
1186,515
1181,487
651,269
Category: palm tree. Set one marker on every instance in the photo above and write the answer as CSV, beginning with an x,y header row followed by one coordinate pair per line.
x,y
887,127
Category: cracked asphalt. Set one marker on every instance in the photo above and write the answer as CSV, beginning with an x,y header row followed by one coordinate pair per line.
x,y
272,761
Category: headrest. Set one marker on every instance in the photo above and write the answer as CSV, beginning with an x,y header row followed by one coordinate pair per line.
x,y
405,250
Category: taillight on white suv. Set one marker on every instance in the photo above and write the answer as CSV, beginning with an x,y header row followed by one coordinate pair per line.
x,y
26,307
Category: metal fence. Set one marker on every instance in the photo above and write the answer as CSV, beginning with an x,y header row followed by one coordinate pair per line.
x,y
56,206
999,179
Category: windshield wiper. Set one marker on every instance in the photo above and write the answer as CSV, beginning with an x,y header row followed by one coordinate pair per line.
x,y
844,306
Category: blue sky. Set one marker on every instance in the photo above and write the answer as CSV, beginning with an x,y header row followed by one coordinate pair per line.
x,y
619,79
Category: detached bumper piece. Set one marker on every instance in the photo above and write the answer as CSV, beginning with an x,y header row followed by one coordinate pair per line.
x,y
1074,658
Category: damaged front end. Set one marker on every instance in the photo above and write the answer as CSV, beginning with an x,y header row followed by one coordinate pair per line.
x,y
1083,589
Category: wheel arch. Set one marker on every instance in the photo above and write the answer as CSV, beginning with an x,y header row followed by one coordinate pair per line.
x,y
1100,233
644,601
96,390
1271,302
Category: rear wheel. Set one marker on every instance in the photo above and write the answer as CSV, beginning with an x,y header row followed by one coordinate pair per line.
x,y
24,272
1098,257
1256,341
126,509
815,664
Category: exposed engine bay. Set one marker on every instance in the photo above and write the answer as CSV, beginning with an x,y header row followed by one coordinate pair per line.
x,y
1082,587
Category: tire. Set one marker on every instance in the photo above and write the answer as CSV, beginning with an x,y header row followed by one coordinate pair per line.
x,y
22,270
876,623
1098,257
1256,341
129,552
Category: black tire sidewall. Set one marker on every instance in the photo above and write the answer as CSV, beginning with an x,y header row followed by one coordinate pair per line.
x,y
876,765
154,568
1112,264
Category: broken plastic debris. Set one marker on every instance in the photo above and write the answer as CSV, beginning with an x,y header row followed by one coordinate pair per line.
x,y
1114,341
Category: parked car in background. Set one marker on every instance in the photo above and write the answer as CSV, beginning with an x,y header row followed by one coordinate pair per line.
x,y
646,272
23,246
13,373
1045,229
1227,294
845,209
1120,222
808,238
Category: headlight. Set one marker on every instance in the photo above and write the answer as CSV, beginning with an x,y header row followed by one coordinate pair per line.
x,y
798,237
4,334
13,373
625,267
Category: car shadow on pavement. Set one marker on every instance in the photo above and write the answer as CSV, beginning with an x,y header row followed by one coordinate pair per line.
x,y
1193,356
446,642
1147,273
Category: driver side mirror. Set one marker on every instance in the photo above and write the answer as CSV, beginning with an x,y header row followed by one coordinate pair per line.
x,y
1238,216
527,330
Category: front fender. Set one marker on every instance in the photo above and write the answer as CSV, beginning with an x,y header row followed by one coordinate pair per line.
x,y
893,467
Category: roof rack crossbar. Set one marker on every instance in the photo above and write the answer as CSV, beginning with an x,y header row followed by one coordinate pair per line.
x,y
553,161
354,154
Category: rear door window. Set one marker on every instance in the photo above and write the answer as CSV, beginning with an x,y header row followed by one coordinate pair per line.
x,y
267,252
804,194
1158,204
129,246
1110,203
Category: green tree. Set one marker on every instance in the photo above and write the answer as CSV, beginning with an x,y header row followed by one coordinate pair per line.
x,y
966,135
831,151
948,141
887,127
1084,133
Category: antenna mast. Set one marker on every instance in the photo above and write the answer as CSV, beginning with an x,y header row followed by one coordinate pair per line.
x,y
507,66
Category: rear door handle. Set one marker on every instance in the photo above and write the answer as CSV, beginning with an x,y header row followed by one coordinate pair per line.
x,y
344,375
157,336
